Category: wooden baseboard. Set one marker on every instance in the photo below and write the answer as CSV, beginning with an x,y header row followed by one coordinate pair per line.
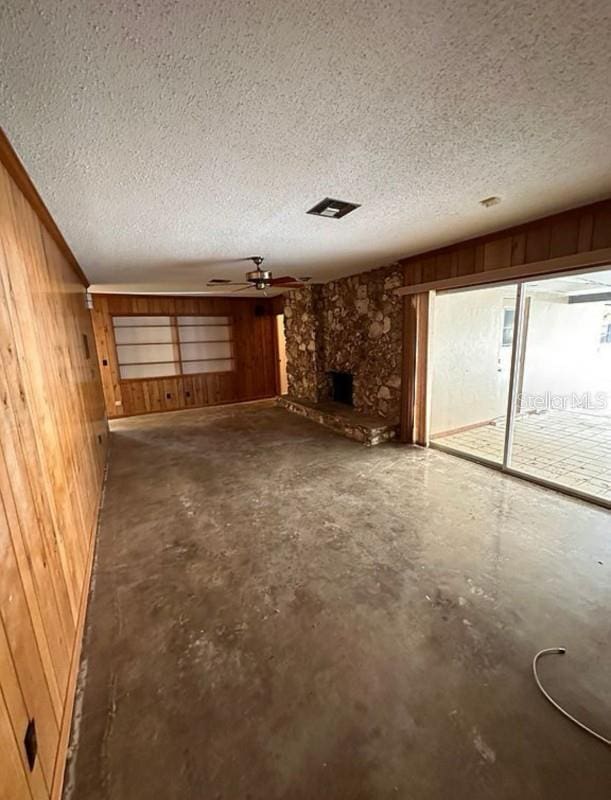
x,y
66,723
255,399
462,429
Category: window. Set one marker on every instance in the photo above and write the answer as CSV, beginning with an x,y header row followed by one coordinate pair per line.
x,y
508,319
158,347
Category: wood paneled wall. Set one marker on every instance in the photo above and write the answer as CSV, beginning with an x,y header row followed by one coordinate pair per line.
x,y
580,230
52,455
255,353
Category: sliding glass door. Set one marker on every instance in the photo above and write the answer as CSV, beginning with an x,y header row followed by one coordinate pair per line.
x,y
561,431
521,379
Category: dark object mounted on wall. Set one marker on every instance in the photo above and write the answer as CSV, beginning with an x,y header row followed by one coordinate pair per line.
x,y
30,744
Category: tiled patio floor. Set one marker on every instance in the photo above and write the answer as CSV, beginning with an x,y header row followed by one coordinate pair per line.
x,y
571,448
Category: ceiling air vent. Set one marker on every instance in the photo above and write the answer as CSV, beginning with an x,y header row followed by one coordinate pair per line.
x,y
332,208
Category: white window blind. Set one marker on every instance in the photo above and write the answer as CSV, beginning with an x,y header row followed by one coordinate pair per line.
x,y
158,346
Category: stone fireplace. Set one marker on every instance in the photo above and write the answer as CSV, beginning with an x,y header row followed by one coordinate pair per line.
x,y
343,347
352,325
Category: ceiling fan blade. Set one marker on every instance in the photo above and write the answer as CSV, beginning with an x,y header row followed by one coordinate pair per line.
x,y
215,263
243,289
285,279
226,283
235,260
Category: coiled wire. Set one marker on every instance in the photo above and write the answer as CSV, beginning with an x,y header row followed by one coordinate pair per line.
x,y
562,651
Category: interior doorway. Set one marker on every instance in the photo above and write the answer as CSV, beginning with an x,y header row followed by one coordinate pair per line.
x,y
521,379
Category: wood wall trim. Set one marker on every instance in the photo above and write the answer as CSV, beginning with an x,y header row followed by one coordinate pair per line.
x,y
15,168
592,259
532,248
561,224
408,384
424,313
417,311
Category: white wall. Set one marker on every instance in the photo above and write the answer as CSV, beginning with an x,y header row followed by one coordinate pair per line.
x,y
563,350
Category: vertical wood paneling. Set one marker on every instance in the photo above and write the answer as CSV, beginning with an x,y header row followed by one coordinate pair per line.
x,y
23,646
564,238
497,253
569,233
254,352
601,234
18,716
13,782
52,454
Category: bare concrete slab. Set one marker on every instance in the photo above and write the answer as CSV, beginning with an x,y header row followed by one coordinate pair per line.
x,y
282,614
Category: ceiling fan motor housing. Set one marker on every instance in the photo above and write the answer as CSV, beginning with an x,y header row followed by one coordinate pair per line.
x,y
260,277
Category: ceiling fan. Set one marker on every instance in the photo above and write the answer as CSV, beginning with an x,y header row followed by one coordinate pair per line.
x,y
260,279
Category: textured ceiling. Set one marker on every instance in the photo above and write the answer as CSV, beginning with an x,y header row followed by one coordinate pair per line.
x,y
167,138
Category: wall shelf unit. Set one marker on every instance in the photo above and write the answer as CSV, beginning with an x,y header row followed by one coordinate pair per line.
x,y
162,346
164,353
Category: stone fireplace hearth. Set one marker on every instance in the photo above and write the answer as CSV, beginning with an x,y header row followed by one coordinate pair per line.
x,y
343,419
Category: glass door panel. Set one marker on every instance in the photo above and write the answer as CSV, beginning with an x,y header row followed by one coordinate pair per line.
x,y
561,431
473,332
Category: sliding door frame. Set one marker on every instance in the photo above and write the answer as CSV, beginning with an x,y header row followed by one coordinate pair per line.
x,y
418,337
512,394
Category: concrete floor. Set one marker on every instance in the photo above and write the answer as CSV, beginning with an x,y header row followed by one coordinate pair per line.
x,y
281,613
570,448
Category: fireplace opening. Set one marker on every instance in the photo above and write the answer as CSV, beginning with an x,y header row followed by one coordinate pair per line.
x,y
341,387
